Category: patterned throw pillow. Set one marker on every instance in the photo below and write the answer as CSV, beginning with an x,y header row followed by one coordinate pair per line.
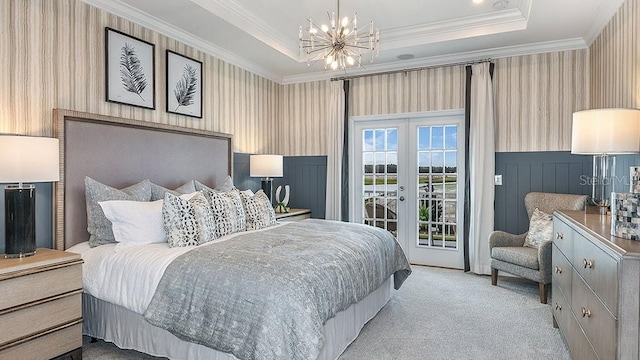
x,y
540,229
187,222
98,226
228,212
258,210
157,191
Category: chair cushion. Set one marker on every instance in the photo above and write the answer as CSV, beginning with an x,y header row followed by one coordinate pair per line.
x,y
540,229
519,255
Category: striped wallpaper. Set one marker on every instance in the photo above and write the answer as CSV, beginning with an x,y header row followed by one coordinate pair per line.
x,y
615,61
52,56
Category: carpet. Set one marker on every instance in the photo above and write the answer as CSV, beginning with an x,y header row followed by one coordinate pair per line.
x,y
441,314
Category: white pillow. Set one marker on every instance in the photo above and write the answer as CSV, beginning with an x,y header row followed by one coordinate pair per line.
x,y
135,222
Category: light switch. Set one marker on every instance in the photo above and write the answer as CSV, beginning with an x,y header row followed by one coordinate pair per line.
x,y
498,180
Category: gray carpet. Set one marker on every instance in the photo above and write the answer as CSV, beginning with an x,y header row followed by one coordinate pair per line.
x,y
442,314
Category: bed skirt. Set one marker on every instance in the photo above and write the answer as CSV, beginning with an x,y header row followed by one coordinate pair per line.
x,y
129,330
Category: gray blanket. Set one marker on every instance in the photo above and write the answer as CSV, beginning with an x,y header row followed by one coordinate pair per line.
x,y
267,295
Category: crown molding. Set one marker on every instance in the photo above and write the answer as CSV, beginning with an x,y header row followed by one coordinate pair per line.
x,y
241,17
605,13
143,19
443,60
471,26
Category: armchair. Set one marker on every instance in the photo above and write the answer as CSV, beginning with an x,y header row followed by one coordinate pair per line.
x,y
509,254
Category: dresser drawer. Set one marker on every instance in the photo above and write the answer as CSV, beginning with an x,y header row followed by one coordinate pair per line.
x,y
47,346
563,236
598,269
40,285
30,319
578,344
562,272
561,308
596,321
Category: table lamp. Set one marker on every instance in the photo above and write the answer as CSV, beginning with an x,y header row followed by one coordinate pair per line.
x,y
602,133
24,160
267,167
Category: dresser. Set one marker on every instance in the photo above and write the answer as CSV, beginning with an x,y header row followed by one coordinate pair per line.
x,y
294,215
41,306
595,288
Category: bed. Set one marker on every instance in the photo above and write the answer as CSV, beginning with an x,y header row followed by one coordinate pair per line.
x,y
134,313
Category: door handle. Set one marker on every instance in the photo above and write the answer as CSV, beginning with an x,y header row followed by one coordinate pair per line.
x,y
401,198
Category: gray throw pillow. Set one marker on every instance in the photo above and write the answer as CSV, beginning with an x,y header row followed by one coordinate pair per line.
x,y
258,210
157,191
226,185
540,229
98,226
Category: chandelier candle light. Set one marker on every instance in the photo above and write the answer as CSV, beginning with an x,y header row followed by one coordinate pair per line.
x,y
340,44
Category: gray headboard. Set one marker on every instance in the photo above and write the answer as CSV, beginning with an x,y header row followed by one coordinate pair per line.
x,y
121,152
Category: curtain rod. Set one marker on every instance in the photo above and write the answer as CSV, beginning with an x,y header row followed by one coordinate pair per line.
x,y
411,69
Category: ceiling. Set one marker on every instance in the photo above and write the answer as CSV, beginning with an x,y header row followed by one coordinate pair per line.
x,y
262,35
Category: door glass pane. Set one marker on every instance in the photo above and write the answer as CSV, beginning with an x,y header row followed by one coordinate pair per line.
x,y
437,186
380,179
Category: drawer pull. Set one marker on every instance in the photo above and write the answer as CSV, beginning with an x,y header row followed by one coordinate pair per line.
x,y
559,236
587,263
558,307
586,312
558,270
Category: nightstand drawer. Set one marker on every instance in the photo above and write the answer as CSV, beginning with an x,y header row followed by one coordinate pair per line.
x,y
33,318
560,307
40,285
46,346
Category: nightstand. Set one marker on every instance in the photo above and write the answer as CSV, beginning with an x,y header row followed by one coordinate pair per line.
x,y
41,306
294,215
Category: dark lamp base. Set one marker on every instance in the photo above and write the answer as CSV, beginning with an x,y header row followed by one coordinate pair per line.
x,y
20,220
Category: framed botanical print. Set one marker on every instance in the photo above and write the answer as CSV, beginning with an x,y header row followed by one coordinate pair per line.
x,y
130,70
184,85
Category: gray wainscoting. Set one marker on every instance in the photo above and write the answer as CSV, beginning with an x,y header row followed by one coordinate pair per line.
x,y
305,175
546,171
524,172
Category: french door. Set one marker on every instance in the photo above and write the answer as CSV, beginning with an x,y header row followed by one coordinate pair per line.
x,y
408,178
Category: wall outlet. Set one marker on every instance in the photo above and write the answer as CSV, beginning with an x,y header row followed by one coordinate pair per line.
x,y
497,180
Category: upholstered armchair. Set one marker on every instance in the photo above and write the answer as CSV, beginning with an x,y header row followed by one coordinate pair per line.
x,y
509,254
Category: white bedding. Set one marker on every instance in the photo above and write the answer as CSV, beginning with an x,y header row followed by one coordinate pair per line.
x,y
129,276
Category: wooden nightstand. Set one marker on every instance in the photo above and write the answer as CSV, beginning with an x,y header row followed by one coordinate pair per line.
x,y
294,215
41,306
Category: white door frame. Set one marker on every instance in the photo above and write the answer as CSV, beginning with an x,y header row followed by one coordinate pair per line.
x,y
353,196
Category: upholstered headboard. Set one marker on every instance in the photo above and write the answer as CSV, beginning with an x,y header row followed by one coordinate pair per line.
x,y
121,152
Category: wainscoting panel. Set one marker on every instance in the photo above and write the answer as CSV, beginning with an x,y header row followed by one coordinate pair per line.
x,y
524,172
305,175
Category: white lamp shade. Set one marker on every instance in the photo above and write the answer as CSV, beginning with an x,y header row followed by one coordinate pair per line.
x,y
606,131
265,165
28,159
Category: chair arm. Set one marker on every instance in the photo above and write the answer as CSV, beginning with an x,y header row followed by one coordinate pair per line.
x,y
501,238
544,260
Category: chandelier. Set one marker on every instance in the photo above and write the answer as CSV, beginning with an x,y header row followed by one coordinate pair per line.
x,y
339,44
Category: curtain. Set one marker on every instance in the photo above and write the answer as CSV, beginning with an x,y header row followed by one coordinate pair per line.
x,y
481,167
335,147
